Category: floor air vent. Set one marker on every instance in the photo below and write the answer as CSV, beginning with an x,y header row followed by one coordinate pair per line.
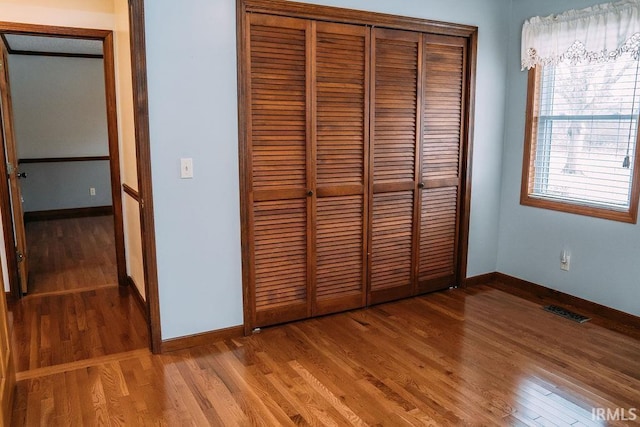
x,y
566,313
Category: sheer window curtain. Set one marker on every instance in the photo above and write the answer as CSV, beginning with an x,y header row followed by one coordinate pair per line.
x,y
599,33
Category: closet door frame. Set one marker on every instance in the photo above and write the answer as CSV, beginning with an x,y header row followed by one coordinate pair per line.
x,y
349,16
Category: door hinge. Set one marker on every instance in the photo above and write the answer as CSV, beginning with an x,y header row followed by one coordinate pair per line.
x,y
10,168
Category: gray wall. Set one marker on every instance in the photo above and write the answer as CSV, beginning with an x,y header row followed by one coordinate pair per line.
x,y
193,113
60,111
65,185
605,264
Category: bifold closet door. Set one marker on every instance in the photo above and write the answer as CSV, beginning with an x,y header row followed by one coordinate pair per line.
x,y
443,111
395,125
341,70
278,171
307,141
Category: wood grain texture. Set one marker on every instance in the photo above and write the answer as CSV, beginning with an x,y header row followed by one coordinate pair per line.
x,y
131,192
75,309
396,80
135,291
204,338
67,213
607,317
59,328
39,30
10,148
10,241
7,367
333,119
351,16
143,166
71,254
442,151
114,156
279,147
341,57
477,356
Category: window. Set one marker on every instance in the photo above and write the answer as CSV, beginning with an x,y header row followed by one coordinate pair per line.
x,y
581,138
582,111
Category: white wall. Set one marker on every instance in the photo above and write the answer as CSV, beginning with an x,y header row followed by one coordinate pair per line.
x,y
59,106
604,254
193,113
59,110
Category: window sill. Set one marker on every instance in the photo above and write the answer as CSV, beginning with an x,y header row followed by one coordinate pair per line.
x,y
629,216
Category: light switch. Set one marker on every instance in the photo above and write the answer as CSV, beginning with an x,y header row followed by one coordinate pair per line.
x,y
186,168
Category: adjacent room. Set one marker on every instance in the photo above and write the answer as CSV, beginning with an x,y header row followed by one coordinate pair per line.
x,y
328,212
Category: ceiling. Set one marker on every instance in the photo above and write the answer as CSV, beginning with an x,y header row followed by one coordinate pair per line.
x,y
33,45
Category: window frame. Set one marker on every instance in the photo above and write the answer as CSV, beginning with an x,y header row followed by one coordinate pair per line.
x,y
629,215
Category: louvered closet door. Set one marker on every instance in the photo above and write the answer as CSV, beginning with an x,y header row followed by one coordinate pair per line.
x,y
278,67
341,119
442,133
394,136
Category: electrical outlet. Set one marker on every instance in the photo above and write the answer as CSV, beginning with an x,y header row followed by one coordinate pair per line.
x,y
92,191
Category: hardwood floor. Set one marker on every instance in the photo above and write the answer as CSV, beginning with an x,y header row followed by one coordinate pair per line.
x,y
71,254
54,329
75,309
478,356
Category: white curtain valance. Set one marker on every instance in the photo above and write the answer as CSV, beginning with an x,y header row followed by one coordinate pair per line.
x,y
600,33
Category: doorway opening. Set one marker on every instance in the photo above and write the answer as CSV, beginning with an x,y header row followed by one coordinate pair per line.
x,y
94,311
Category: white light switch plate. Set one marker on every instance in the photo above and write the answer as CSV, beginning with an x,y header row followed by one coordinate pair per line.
x,y
186,168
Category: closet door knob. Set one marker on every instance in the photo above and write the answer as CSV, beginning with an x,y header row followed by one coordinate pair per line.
x,y
421,185
309,193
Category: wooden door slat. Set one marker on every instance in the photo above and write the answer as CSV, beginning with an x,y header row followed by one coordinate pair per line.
x,y
442,133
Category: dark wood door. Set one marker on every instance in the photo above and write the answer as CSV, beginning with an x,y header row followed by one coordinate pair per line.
x,y
11,155
395,125
443,96
278,147
7,369
341,145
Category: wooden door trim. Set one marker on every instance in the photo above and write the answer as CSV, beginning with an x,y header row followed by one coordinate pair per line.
x,y
351,16
244,154
7,224
114,155
467,156
143,163
106,36
9,148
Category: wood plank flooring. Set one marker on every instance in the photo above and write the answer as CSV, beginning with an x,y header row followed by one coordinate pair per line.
x,y
71,254
75,309
55,329
478,356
